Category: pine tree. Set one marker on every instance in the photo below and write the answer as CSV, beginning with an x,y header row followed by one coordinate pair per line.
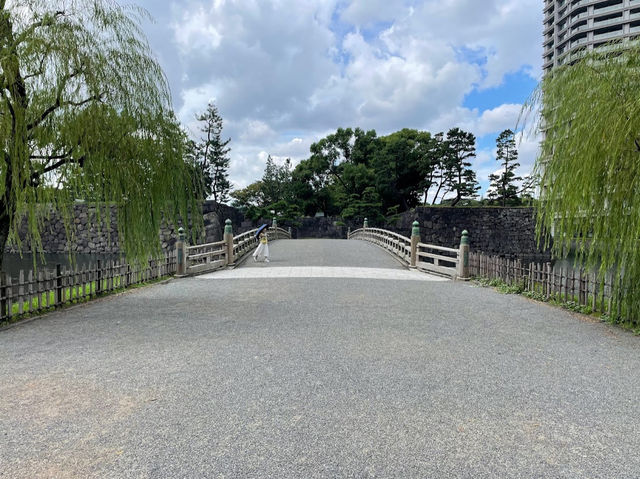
x,y
503,188
460,179
211,153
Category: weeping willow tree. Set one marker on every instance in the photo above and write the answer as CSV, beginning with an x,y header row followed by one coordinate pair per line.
x,y
590,166
85,113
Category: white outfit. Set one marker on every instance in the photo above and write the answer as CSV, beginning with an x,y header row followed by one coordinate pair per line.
x,y
262,251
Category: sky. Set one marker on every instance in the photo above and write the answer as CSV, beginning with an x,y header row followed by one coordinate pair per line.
x,y
286,73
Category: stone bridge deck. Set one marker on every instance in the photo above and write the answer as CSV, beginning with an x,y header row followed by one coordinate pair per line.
x,y
318,376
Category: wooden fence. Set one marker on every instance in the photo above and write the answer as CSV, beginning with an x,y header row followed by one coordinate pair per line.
x,y
567,284
36,291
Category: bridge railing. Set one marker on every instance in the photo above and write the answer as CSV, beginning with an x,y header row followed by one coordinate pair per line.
x,y
452,262
206,257
438,259
212,256
244,243
396,244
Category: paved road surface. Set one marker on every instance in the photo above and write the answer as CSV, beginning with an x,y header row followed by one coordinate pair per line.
x,y
341,375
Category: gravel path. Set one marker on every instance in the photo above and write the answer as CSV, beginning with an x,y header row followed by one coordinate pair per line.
x,y
318,377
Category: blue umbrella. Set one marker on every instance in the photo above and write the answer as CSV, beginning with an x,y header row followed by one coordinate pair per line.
x,y
261,229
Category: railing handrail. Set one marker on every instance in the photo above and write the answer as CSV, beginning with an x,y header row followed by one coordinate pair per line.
x,y
397,245
390,233
382,232
210,256
205,245
246,233
439,248
422,256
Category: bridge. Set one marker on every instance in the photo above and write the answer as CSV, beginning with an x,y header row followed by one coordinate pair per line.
x,y
333,360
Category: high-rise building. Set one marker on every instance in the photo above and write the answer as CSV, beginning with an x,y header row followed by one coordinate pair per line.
x,y
571,26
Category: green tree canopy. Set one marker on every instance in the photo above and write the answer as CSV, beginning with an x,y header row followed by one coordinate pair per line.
x,y
84,103
590,164
397,169
211,154
460,147
503,187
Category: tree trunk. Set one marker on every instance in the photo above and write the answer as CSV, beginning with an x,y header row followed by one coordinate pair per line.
x,y
435,198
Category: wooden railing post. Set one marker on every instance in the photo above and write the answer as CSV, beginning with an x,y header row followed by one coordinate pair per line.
x,y
366,223
415,239
463,257
181,268
349,232
228,238
289,231
274,225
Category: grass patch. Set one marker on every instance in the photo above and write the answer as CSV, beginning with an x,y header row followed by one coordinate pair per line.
x,y
44,302
571,304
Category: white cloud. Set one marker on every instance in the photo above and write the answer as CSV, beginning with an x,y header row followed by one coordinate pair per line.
x,y
498,119
284,73
195,32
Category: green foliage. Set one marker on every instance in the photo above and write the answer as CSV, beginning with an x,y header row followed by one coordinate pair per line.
x,y
460,179
275,192
84,112
589,165
503,187
249,197
396,165
276,182
210,154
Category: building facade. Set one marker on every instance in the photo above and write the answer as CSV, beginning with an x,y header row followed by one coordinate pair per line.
x,y
571,26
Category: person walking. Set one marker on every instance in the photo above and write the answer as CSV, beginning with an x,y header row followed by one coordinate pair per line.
x,y
261,253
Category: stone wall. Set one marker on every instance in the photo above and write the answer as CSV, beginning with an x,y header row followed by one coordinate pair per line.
x,y
504,231
333,228
88,238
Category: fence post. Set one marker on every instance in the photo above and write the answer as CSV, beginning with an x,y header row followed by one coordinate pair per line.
x,y
463,257
99,277
366,223
228,238
3,295
415,239
274,225
349,232
289,231
181,268
59,284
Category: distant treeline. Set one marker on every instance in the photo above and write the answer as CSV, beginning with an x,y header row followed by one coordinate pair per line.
x,y
355,174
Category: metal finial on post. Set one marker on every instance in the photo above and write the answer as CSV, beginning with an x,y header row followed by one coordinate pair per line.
x,y
366,223
463,257
415,239
181,268
228,239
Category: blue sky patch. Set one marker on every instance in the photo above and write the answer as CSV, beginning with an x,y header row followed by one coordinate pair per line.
x,y
515,88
